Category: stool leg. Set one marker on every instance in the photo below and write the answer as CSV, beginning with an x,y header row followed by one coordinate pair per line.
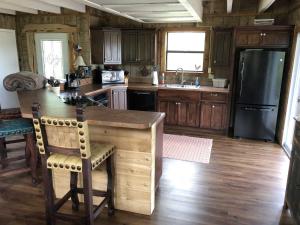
x,y
3,152
87,190
74,193
110,185
27,150
49,193
32,152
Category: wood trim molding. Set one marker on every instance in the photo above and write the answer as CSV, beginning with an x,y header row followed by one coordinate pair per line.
x,y
47,28
31,29
163,44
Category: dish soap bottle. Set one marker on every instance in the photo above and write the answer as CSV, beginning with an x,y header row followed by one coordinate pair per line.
x,y
197,84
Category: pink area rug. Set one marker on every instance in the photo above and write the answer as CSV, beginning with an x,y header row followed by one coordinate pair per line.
x,y
187,148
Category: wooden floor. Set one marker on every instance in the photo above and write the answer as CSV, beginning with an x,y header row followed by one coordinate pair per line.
x,y
243,184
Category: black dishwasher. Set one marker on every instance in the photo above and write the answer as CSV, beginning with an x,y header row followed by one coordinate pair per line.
x,y
141,100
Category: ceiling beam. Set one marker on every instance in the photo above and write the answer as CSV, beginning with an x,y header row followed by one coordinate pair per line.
x,y
38,5
229,6
264,5
112,11
77,5
9,6
141,5
194,7
8,11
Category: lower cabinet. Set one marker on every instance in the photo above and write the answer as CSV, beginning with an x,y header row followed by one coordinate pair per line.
x,y
119,99
194,109
213,116
180,113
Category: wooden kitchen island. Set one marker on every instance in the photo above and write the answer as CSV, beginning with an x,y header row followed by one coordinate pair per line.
x,y
138,137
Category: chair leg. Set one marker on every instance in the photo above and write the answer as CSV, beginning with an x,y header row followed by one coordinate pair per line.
x,y
110,185
27,150
49,193
74,192
87,190
33,156
3,152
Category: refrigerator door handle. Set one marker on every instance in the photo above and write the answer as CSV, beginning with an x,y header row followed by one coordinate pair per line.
x,y
242,77
258,109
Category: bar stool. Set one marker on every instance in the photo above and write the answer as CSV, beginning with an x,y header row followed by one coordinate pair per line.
x,y
64,144
12,125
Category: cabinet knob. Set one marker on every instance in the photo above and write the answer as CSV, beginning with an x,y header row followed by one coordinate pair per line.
x,y
215,61
213,106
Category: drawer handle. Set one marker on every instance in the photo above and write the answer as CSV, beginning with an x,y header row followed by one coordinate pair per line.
x,y
214,95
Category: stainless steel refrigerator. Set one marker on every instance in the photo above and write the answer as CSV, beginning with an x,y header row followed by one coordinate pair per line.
x,y
258,93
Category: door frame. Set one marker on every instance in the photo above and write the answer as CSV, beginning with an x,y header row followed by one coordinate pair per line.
x,y
293,93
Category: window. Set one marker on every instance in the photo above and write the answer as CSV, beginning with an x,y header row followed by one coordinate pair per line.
x,y
52,54
185,50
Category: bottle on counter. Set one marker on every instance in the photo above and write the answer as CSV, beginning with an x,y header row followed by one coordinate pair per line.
x,y
162,78
197,83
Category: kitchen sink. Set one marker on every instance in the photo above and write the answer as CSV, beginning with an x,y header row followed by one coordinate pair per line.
x,y
187,86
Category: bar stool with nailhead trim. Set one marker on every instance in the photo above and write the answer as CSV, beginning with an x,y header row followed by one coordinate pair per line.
x,y
64,145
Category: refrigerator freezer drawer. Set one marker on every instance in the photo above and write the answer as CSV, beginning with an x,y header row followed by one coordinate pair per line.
x,y
257,122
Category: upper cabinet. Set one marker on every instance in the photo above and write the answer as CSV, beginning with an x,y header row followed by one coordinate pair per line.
x,y
264,36
106,47
222,46
138,46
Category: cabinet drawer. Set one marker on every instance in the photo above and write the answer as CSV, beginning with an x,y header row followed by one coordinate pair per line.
x,y
179,96
214,96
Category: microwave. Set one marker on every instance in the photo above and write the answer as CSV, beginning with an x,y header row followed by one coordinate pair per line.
x,y
112,77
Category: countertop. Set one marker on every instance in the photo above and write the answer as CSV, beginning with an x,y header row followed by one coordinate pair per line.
x,y
51,105
92,89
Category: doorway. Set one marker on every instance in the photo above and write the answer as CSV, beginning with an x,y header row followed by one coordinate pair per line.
x,y
9,63
52,53
293,102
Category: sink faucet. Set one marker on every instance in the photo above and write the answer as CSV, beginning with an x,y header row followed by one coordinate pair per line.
x,y
180,69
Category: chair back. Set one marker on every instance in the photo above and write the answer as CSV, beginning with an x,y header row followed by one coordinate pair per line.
x,y
68,136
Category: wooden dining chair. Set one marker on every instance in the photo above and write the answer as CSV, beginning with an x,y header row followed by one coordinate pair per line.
x,y
64,144
14,129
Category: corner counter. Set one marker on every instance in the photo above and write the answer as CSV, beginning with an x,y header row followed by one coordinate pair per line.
x,y
138,137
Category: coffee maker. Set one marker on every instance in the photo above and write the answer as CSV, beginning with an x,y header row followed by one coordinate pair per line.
x,y
72,81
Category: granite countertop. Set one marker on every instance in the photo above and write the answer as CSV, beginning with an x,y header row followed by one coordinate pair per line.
x,y
51,105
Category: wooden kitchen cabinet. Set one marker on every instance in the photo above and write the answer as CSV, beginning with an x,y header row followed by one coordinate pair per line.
x,y
187,113
106,47
266,36
213,116
170,108
138,46
222,45
119,98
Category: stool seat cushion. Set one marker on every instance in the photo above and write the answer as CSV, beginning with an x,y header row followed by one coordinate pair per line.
x,y
14,127
99,153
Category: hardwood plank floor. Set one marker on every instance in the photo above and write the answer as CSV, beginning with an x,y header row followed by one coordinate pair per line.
x,y
244,184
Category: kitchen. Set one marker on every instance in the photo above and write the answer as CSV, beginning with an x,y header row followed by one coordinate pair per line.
x,y
181,66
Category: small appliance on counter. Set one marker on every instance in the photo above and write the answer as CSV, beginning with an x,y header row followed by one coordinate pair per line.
x,y
107,76
72,81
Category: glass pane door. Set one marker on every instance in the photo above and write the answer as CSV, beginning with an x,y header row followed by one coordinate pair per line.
x,y
52,54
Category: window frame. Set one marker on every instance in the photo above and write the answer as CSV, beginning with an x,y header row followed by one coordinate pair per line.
x,y
178,51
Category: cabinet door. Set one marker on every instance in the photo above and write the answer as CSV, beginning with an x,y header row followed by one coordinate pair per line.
x,y
107,47
129,45
187,114
222,47
97,46
146,47
205,115
213,116
119,99
170,108
218,116
116,47
248,38
276,38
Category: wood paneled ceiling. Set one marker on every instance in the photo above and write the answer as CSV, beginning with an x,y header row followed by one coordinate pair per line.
x,y
145,11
